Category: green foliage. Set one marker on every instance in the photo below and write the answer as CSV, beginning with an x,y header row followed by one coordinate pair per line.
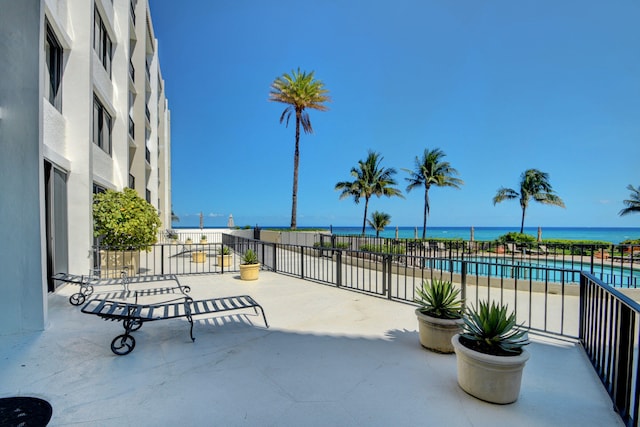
x,y
491,330
370,178
124,221
250,257
631,242
225,250
439,299
383,249
203,237
378,221
516,238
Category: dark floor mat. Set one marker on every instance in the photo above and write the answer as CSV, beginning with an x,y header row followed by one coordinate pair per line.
x,y
24,412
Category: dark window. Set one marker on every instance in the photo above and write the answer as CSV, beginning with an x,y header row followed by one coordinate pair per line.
x,y
148,194
53,57
97,189
101,41
101,126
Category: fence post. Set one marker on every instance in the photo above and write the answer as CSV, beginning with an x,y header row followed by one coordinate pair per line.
x,y
301,262
386,276
339,267
463,281
162,259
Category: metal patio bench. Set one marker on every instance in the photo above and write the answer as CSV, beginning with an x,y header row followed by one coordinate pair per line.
x,y
133,315
88,284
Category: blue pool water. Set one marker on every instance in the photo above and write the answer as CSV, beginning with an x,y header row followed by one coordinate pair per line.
x,y
542,271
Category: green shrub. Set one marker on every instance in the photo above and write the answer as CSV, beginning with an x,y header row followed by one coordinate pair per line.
x,y
488,329
439,299
124,220
631,242
250,257
516,238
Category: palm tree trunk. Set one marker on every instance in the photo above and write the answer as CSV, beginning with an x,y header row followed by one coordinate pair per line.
x,y
425,213
296,162
364,220
522,222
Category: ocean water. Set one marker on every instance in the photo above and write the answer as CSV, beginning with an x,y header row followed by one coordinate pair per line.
x,y
607,234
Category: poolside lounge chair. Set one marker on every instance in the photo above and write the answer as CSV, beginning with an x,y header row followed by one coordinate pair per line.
x,y
511,247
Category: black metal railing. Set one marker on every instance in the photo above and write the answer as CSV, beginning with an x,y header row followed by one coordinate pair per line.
x,y
557,301
618,265
609,332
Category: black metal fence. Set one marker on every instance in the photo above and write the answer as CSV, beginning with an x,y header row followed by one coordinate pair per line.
x,y
618,265
609,332
549,298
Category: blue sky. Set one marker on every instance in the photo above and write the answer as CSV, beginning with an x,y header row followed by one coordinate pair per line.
x,y
499,86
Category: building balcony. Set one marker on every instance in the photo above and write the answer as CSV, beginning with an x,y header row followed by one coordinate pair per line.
x,y
329,357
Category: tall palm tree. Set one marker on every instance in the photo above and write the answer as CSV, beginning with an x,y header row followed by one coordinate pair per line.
x,y
533,185
378,221
431,170
633,203
370,179
301,92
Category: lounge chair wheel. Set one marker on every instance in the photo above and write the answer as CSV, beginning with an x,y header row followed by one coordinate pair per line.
x,y
123,344
76,299
132,325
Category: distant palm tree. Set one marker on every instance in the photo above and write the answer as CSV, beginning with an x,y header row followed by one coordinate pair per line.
x,y
378,221
300,91
533,185
370,179
632,204
431,170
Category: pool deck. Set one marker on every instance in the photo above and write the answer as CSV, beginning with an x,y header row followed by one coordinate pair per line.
x,y
330,357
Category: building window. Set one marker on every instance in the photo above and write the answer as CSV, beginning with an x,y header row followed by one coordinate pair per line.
x,y
148,196
97,189
102,122
101,41
53,57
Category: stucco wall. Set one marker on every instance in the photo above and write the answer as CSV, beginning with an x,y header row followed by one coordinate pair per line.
x,y
23,301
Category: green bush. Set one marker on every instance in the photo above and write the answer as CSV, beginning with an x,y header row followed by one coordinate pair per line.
x,y
516,238
439,299
631,242
124,221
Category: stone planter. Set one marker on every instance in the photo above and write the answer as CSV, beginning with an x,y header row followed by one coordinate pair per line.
x,y
436,334
224,260
494,379
198,256
249,271
112,263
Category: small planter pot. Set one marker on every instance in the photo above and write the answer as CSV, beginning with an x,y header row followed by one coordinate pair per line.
x,y
224,260
436,334
494,379
198,256
249,271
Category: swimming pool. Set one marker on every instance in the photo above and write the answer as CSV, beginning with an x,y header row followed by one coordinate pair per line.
x,y
543,270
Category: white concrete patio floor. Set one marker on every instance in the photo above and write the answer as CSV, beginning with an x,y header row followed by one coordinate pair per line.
x,y
330,357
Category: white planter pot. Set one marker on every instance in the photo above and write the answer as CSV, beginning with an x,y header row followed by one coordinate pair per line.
x,y
494,379
435,334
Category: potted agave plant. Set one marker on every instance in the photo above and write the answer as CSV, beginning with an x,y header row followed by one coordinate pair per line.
x,y
490,354
439,315
224,256
249,266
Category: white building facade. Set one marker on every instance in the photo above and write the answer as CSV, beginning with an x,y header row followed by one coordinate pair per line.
x,y
82,109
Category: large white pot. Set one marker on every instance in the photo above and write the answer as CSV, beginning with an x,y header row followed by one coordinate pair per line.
x,y
495,379
435,334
